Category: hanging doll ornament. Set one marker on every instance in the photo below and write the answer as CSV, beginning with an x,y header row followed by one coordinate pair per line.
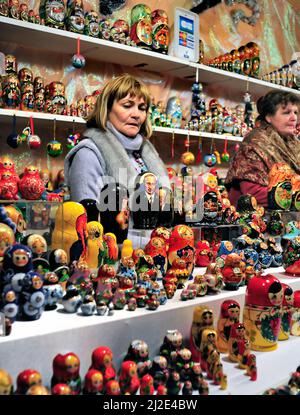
x,y
187,157
73,139
225,155
212,158
54,147
78,60
12,138
33,140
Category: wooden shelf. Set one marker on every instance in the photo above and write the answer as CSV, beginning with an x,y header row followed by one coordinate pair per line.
x,y
178,131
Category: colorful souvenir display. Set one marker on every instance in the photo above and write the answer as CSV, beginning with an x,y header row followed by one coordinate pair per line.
x,y
280,187
262,312
141,26
160,31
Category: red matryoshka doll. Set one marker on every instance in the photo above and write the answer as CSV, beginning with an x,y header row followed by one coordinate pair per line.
x,y
182,246
7,165
102,358
6,383
138,352
55,13
8,186
287,311
128,379
113,388
214,279
280,187
75,16
156,248
203,254
120,32
38,390
147,387
291,256
26,379
61,389
295,324
232,272
31,185
141,27
262,312
202,319
162,232
230,314
201,285
66,370
93,383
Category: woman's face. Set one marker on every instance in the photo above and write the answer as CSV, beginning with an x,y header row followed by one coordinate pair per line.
x,y
284,119
128,115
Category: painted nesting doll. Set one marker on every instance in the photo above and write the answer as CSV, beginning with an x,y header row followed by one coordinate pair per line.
x,y
202,319
138,351
291,256
102,360
295,324
70,227
280,187
286,312
156,248
66,370
230,314
6,383
31,185
262,312
94,243
26,379
182,246
93,383
129,381
203,254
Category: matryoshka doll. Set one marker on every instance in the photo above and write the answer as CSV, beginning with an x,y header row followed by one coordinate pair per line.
x,y
173,341
232,272
31,185
58,260
295,323
26,379
6,383
141,26
160,31
138,352
102,360
230,314
32,297
203,254
128,379
55,13
7,239
295,192
8,186
287,311
291,256
159,371
262,312
147,387
113,388
91,24
280,187
66,370
75,16
52,289
156,248
182,246
61,389
202,319
214,279
93,383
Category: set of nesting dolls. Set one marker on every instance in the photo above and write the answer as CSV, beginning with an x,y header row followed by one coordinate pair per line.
x,y
283,188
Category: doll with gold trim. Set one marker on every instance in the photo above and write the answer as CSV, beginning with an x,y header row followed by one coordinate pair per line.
x,y
202,319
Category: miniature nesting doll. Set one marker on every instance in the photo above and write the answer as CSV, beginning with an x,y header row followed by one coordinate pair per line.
x,y
52,289
172,342
113,388
203,254
138,352
6,383
94,243
26,379
230,314
214,279
295,192
280,187
147,387
66,370
93,383
202,319
262,312
31,185
102,360
156,248
159,371
232,271
286,312
182,246
129,381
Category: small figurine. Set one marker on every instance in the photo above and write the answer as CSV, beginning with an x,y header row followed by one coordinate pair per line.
x,y
72,300
230,314
66,370
26,379
52,290
113,388
129,381
93,383
31,185
295,323
202,319
88,306
173,383
55,13
102,358
32,297
214,279
280,187
203,254
159,371
232,271
172,342
61,389
286,312
291,256
6,383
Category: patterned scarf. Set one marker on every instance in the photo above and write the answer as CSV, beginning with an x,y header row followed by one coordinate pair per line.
x,y
260,149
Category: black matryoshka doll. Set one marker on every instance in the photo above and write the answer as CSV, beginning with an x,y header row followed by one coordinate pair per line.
x,y
280,187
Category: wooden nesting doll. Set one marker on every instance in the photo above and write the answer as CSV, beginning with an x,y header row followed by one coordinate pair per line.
x,y
291,256
295,324
230,314
286,312
182,246
202,319
280,187
262,312
295,192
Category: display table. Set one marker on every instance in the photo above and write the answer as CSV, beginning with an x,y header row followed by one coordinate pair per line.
x,y
34,344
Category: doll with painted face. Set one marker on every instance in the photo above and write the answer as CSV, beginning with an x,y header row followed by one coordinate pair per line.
x,y
262,311
6,383
202,319
156,248
26,379
93,383
159,371
7,239
102,360
52,289
129,381
9,303
32,297
230,314
58,260
286,312
173,341
138,352
182,246
280,187
66,370
38,245
17,260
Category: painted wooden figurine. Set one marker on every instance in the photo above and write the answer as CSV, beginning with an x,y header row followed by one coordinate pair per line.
x,y
66,370
128,379
156,248
182,245
262,312
93,383
147,387
138,352
26,379
295,323
286,312
6,383
291,256
202,319
280,187
230,314
31,185
102,359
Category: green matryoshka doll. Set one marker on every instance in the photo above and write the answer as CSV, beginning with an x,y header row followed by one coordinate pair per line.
x,y
280,187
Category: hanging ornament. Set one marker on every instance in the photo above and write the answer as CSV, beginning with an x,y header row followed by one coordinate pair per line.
x,y
187,157
172,145
210,159
23,136
216,153
73,139
199,151
33,140
12,138
78,60
236,147
54,147
225,156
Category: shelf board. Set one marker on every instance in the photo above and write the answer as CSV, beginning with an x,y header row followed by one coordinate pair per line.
x,y
180,131
43,118
235,82
37,36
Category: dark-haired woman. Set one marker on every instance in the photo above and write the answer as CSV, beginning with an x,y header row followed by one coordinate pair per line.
x,y
272,141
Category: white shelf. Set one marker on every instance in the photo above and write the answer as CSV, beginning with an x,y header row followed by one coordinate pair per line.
x,y
44,118
34,344
36,36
